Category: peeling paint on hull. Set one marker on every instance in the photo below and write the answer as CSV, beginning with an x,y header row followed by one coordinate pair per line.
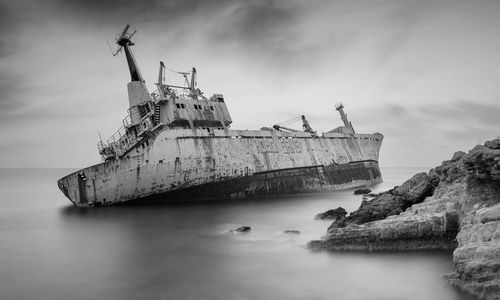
x,y
278,182
179,165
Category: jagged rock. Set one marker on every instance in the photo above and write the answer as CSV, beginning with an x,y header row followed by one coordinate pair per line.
x,y
457,156
332,214
291,231
462,194
242,229
376,209
482,162
477,257
415,189
362,191
429,231
393,202
339,222
494,144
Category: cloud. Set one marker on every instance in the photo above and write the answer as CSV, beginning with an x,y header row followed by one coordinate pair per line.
x,y
261,27
272,59
440,118
465,113
7,92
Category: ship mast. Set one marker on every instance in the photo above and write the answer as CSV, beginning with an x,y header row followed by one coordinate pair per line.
x,y
137,91
123,40
348,125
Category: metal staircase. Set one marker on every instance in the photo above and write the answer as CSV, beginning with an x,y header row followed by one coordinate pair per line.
x,y
156,114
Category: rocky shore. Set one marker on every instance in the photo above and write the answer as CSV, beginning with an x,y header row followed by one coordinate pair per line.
x,y
454,206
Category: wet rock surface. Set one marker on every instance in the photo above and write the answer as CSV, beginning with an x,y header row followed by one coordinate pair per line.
x,y
362,191
455,206
331,214
390,203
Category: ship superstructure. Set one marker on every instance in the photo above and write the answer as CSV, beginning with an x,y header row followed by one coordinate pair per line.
x,y
176,144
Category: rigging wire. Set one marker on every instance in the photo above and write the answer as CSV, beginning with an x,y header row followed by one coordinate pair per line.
x,y
106,39
177,72
288,122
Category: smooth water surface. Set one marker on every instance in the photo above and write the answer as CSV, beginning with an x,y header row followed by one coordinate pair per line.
x,y
52,250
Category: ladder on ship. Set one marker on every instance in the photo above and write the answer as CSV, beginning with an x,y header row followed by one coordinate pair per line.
x,y
156,114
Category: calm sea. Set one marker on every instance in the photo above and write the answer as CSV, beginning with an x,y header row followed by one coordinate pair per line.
x,y
51,250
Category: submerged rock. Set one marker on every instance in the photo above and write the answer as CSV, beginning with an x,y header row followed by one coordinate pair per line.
x,y
362,191
242,229
462,196
331,214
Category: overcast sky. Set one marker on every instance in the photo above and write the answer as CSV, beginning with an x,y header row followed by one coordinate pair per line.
x,y
423,73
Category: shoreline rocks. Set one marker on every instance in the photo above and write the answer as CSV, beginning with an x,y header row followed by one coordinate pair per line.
x,y
331,214
362,191
455,206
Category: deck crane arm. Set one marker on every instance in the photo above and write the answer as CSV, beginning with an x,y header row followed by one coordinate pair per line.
x,y
279,127
305,125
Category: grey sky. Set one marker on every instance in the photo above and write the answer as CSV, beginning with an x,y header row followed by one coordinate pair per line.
x,y
423,73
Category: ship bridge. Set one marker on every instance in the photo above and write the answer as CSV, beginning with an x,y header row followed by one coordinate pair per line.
x,y
169,107
186,107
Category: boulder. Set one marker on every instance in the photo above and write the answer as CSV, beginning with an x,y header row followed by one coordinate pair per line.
x,y
457,156
415,189
483,163
362,191
331,214
494,144
376,209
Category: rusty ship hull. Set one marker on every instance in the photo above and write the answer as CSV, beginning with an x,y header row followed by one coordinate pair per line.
x,y
232,164
176,144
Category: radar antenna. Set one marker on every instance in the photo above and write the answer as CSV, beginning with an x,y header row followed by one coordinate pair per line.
x,y
124,39
124,42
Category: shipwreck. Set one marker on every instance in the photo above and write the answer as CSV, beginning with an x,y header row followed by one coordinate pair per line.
x,y
176,144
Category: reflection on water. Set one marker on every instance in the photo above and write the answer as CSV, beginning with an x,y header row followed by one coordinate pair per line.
x,y
51,250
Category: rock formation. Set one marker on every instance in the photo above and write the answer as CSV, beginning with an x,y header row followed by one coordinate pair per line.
x,y
362,191
331,214
455,206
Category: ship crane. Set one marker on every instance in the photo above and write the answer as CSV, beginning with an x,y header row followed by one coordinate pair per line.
x,y
190,85
305,125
